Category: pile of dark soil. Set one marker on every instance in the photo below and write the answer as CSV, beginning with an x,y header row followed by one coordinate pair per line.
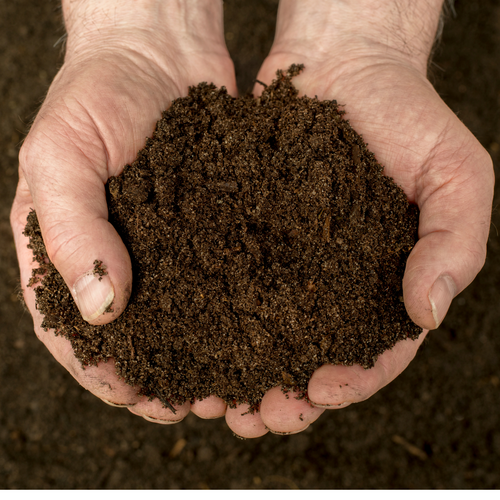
x,y
265,241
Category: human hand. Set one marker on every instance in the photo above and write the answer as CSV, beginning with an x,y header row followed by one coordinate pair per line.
x,y
372,58
125,62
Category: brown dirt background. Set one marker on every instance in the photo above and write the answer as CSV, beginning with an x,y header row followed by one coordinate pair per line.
x,y
436,426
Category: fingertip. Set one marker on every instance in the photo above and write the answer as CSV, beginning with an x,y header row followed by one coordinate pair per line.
x,y
338,386
287,412
155,411
428,288
102,291
93,295
440,296
245,424
209,408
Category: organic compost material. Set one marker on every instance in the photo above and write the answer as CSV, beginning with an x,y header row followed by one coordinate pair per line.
x,y
265,242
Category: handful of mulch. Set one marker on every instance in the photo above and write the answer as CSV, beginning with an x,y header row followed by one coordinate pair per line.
x,y
265,242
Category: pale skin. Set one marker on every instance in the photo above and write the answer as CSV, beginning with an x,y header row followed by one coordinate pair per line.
x,y
127,60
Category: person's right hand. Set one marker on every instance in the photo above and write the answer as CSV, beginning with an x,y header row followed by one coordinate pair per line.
x,y
125,62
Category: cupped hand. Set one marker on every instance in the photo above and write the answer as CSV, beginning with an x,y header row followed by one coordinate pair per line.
x,y
441,167
101,107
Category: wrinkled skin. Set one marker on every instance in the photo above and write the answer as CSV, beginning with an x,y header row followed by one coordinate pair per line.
x,y
104,102
100,108
441,167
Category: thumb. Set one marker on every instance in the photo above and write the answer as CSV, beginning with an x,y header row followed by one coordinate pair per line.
x,y
67,189
455,212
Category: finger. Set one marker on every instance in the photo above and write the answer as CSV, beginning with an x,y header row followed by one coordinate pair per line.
x,y
211,407
245,424
100,380
455,196
337,386
154,411
284,413
63,171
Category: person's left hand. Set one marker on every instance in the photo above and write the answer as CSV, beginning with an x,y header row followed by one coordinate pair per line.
x,y
441,167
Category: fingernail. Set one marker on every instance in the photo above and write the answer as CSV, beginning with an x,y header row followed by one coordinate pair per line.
x,y
116,405
332,407
440,296
160,421
93,295
289,432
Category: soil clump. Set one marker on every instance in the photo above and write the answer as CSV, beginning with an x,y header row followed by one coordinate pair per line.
x,y
265,242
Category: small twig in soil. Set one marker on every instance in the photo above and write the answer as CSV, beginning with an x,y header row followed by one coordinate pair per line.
x,y
165,402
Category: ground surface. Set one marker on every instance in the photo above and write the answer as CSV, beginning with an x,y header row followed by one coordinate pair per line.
x,y
436,426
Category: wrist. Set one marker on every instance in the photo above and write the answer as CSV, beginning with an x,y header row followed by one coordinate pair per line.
x,y
143,24
402,30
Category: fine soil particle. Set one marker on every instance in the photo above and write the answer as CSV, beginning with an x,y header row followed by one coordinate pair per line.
x,y
265,242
